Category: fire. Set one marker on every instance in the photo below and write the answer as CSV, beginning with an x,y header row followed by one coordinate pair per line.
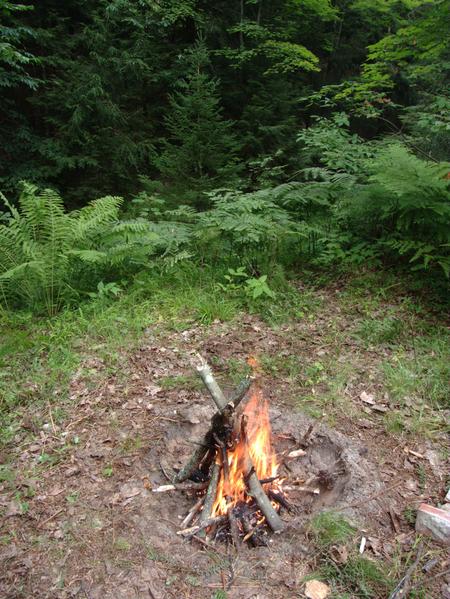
x,y
259,447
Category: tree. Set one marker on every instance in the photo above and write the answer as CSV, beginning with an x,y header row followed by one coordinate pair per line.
x,y
200,150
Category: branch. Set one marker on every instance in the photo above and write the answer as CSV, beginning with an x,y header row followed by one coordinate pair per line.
x,y
210,382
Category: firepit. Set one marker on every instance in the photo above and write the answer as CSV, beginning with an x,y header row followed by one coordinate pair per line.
x,y
240,491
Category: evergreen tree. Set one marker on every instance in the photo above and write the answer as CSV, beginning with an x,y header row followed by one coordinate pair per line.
x,y
200,150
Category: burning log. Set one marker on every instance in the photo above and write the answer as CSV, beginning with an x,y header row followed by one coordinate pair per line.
x,y
241,455
256,489
211,493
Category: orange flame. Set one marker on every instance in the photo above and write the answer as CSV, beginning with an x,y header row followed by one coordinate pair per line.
x,y
259,447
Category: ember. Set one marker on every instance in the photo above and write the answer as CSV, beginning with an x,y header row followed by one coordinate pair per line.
x,y
236,456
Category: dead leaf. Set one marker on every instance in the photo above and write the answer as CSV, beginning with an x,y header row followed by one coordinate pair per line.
x,y
315,589
367,398
14,509
340,554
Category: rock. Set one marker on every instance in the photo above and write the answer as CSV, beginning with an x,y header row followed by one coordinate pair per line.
x,y
447,497
434,522
315,589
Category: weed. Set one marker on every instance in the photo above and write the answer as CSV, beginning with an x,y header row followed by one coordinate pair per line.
x,y
383,330
182,381
108,471
421,476
360,575
329,528
131,444
409,514
121,544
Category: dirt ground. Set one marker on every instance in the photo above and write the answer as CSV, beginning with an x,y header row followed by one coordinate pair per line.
x,y
82,519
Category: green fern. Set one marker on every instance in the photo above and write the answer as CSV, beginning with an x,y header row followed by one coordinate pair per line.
x,y
46,252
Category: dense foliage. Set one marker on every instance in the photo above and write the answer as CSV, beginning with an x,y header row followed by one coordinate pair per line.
x,y
250,133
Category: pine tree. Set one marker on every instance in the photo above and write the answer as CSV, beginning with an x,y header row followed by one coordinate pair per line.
x,y
200,150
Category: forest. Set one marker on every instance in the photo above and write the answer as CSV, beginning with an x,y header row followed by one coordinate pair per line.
x,y
229,179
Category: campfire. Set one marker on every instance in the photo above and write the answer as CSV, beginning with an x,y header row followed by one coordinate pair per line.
x,y
234,470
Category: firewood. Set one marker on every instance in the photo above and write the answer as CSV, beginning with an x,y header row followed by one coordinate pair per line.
x,y
211,493
192,464
193,530
240,392
255,487
210,382
192,513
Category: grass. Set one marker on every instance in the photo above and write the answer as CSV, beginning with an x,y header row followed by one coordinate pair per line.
x,y
329,528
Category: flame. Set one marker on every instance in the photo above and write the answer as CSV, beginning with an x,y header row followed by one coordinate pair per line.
x,y
259,446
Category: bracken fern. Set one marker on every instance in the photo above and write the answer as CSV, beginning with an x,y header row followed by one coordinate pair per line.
x,y
44,250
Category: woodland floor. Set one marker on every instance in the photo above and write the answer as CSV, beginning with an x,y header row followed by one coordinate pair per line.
x,y
80,519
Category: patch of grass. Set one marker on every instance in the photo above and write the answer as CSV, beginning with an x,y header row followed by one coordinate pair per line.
x,y
362,577
330,528
289,366
121,544
182,381
410,514
422,372
380,330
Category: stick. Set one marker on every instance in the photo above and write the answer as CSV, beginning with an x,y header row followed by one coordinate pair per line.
x,y
210,383
257,492
281,500
190,532
240,392
401,590
201,450
211,493
192,513
255,487
193,462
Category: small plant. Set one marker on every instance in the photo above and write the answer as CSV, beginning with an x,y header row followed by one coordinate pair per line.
x,y
258,288
121,544
108,471
329,528
105,291
409,514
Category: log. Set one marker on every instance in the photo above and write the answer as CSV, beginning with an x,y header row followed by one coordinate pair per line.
x,y
193,462
264,504
238,395
211,493
255,487
210,383
222,403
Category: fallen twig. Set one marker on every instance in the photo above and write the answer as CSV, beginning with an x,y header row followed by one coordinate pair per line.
x,y
402,589
193,530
